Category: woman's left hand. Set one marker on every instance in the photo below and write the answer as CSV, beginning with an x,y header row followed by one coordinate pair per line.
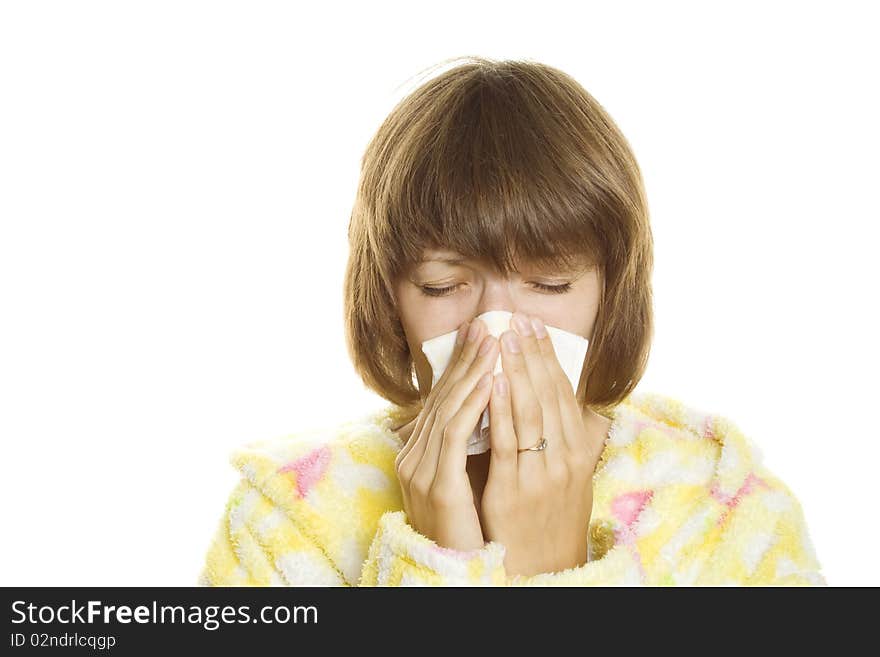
x,y
538,503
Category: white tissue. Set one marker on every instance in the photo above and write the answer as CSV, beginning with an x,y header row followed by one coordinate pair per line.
x,y
571,349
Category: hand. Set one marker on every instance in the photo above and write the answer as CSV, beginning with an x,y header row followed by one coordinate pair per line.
x,y
437,495
538,503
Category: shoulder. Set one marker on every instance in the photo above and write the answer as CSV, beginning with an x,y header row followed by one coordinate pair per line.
x,y
666,462
692,490
332,481
306,458
658,439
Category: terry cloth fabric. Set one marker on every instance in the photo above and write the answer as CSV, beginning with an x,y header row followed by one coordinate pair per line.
x,y
680,497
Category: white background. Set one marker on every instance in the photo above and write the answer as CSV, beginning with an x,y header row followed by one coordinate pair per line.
x,y
176,180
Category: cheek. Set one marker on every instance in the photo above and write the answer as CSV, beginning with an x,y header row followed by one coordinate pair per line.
x,y
426,328
569,317
423,321
420,328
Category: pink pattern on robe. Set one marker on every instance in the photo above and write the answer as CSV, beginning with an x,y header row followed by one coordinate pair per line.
x,y
731,501
309,469
628,506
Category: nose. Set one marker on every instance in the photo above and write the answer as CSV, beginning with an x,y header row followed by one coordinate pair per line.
x,y
497,295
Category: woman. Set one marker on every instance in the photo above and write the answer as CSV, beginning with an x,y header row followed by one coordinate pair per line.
x,y
506,186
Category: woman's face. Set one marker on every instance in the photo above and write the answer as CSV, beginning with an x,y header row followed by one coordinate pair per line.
x,y
471,288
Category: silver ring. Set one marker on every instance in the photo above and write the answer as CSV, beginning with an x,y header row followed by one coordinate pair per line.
x,y
542,444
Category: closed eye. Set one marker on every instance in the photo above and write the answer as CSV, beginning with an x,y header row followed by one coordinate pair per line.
x,y
445,291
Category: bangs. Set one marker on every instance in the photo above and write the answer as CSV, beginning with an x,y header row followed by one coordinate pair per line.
x,y
495,174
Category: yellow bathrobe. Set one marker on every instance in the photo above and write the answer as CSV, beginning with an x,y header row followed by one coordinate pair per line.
x,y
680,497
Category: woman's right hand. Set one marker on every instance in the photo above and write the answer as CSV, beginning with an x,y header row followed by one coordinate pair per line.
x,y
432,466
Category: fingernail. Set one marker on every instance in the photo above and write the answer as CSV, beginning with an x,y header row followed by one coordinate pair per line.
x,y
521,324
487,345
538,325
511,341
474,330
501,385
484,380
462,332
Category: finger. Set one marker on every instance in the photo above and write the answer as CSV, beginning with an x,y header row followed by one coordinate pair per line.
x,y
407,461
570,412
452,459
544,389
527,414
502,437
447,411
461,359
465,351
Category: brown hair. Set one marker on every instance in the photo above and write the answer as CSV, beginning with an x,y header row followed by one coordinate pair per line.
x,y
500,160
